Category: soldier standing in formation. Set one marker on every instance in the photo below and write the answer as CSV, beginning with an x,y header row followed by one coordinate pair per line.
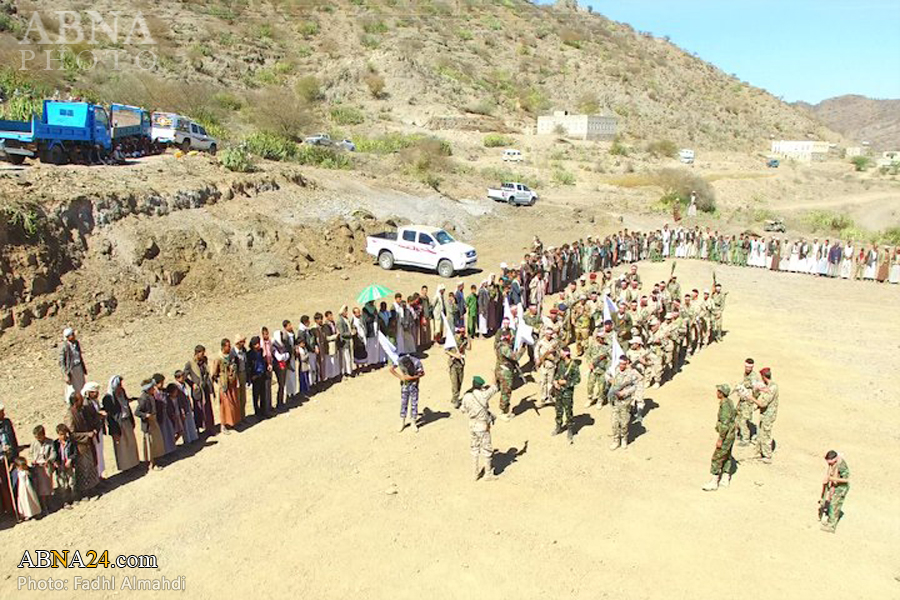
x,y
621,394
456,364
567,376
598,361
722,461
507,367
547,353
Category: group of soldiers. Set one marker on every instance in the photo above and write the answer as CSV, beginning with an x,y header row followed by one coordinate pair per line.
x,y
629,341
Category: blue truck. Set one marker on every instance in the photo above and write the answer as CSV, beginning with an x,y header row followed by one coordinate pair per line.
x,y
66,132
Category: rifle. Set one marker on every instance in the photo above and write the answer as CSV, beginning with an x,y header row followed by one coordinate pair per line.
x,y
12,496
672,271
714,279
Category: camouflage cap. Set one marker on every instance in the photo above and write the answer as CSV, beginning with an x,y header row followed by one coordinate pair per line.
x,y
724,388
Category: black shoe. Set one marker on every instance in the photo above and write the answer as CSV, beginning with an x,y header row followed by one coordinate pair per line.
x,y
571,435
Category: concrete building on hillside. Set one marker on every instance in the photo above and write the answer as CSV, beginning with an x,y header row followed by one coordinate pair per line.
x,y
852,151
580,127
802,150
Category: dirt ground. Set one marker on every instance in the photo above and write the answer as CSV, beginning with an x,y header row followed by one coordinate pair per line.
x,y
303,505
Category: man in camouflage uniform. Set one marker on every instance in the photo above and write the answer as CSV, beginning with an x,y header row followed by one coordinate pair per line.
x,y
567,376
552,322
621,394
673,287
624,323
834,489
547,355
475,405
767,401
690,311
507,367
639,362
722,462
718,308
582,322
597,357
668,345
706,323
680,328
747,392
456,363
656,346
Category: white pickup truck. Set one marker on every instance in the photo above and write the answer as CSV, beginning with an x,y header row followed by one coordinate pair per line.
x,y
421,246
517,194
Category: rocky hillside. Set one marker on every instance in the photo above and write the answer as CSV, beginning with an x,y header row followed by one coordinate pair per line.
x,y
297,66
861,119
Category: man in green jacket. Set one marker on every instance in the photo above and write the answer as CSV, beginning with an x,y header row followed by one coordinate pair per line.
x,y
722,462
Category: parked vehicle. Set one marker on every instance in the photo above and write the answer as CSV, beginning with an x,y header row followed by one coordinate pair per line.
x,y
320,139
686,155
66,132
131,130
510,155
774,225
421,246
517,194
773,163
170,129
347,145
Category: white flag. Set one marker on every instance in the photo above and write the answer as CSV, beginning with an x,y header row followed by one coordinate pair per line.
x,y
524,333
615,354
609,308
507,312
449,338
388,348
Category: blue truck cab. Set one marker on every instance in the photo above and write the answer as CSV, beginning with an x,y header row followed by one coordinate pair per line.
x,y
66,131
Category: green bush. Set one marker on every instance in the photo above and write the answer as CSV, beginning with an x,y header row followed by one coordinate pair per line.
x,y
309,89
271,146
828,221
663,148
347,115
237,159
322,156
497,140
308,28
677,185
563,177
861,163
618,148
891,236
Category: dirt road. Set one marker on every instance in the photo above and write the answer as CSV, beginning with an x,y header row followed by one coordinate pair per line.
x,y
299,505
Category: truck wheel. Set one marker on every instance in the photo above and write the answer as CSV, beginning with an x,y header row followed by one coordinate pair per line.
x,y
16,159
186,145
445,269
213,149
386,260
511,200
58,155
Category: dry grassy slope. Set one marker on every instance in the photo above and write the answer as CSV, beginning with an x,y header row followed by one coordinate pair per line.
x,y
513,59
861,119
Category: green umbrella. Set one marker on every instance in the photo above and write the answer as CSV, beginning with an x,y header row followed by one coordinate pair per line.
x,y
372,293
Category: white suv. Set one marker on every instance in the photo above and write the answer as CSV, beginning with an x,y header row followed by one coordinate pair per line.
x,y
175,130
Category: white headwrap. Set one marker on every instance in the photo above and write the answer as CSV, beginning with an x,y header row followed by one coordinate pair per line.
x,y
90,386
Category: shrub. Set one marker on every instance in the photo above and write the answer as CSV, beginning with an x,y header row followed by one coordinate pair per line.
x,y
677,185
271,146
237,159
227,101
829,221
369,41
374,27
588,103
497,140
308,28
376,85
347,115
464,34
563,177
861,163
322,156
485,106
309,89
618,148
280,111
663,148
891,236
425,158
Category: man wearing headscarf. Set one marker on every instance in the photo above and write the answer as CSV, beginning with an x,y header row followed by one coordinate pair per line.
x,y
83,423
91,394
120,424
9,446
152,443
71,362
196,371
